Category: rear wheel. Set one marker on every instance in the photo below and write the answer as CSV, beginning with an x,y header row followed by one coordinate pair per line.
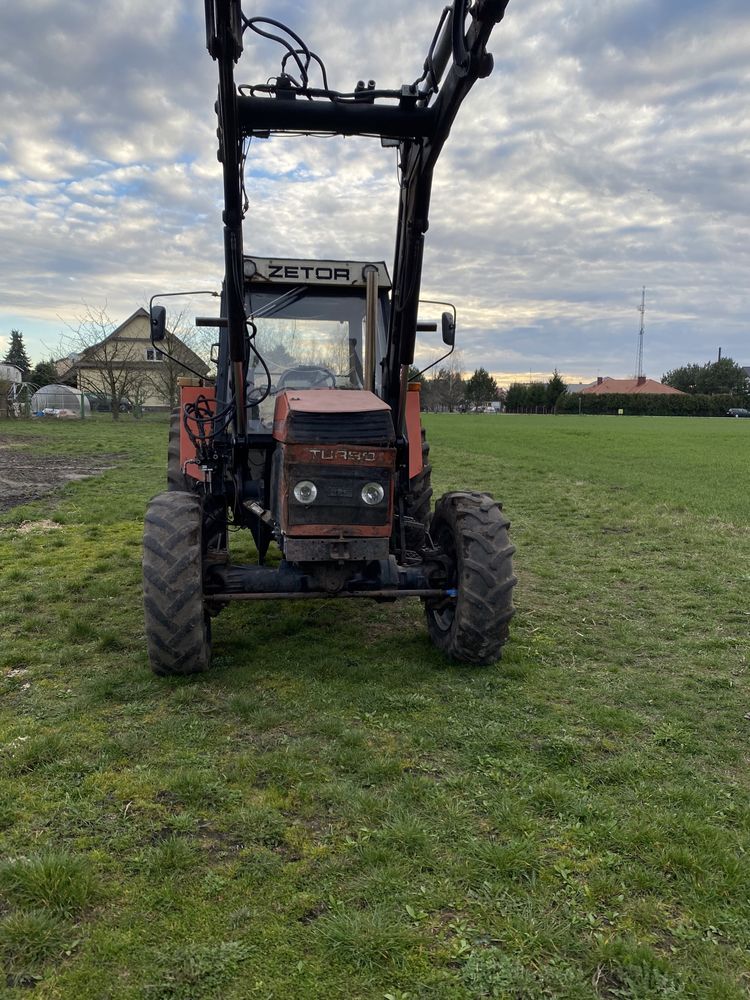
x,y
178,627
472,532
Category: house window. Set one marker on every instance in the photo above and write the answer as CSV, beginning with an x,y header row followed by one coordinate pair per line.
x,y
152,354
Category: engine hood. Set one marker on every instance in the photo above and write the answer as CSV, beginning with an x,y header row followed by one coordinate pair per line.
x,y
332,416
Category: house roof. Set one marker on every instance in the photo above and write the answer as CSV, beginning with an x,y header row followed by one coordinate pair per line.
x,y
140,312
83,358
630,386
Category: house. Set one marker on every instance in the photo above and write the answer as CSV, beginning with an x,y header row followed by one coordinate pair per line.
x,y
630,386
10,372
126,366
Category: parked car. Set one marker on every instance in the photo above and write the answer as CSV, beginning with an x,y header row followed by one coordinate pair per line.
x,y
102,403
738,411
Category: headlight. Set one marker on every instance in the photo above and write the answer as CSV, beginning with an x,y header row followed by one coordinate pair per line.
x,y
305,491
372,493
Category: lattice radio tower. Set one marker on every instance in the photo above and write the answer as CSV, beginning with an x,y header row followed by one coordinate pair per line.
x,y
641,310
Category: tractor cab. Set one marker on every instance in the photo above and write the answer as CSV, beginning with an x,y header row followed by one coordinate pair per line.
x,y
308,323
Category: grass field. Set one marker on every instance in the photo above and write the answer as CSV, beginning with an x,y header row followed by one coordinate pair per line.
x,y
336,812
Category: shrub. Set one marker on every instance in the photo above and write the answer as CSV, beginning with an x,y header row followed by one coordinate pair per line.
x,y
647,404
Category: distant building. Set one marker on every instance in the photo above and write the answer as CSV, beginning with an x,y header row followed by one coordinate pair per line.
x,y
10,373
630,387
127,357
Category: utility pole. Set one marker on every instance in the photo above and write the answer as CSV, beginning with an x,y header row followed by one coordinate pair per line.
x,y
641,310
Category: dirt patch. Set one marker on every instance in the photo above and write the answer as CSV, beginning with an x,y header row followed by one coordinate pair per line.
x,y
217,843
313,913
33,527
25,476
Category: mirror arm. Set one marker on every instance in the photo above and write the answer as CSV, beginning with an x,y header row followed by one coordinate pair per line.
x,y
420,374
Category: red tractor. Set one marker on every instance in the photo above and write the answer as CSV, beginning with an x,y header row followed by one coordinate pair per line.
x,y
309,435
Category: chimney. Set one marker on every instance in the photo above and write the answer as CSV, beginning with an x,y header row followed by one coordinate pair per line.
x,y
641,380
599,380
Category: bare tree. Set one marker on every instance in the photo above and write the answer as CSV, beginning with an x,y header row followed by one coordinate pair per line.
x,y
446,388
183,345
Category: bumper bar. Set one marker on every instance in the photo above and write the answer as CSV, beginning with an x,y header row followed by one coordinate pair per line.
x,y
311,595
382,580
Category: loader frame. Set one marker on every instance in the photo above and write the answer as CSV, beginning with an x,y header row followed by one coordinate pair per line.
x,y
417,118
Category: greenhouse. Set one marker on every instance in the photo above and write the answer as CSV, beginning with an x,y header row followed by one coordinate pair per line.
x,y
60,401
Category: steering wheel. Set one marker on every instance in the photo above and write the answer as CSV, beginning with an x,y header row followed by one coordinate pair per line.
x,y
307,377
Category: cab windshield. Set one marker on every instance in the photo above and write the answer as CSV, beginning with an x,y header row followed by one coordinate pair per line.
x,y
308,338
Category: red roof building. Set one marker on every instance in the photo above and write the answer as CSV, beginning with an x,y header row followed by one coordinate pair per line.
x,y
630,386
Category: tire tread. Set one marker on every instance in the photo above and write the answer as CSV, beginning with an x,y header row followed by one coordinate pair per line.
x,y
484,556
177,630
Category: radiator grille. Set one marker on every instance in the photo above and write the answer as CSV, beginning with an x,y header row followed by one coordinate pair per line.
x,y
372,427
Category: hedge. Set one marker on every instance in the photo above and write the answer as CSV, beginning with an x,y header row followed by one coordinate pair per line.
x,y
649,404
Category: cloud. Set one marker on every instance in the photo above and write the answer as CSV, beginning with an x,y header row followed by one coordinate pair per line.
x,y
607,151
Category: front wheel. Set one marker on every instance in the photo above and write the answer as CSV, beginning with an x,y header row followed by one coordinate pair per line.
x,y
178,627
472,533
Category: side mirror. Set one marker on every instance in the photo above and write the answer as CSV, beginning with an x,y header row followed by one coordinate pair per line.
x,y
449,329
158,323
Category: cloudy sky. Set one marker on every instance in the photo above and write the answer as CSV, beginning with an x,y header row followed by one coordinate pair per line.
x,y
609,150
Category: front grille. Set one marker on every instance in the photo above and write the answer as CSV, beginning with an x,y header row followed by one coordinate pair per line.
x,y
339,499
373,427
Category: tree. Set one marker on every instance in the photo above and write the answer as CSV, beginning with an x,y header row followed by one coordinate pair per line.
x,y
16,354
715,377
685,379
481,389
45,373
555,388
516,398
530,396
725,376
181,342
537,395
167,369
446,388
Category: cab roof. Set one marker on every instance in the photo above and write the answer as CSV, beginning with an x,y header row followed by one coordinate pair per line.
x,y
321,273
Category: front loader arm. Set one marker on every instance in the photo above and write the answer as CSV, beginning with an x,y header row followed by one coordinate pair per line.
x,y
417,163
224,42
419,123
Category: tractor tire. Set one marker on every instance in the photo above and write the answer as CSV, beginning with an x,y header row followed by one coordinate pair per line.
x,y
178,627
472,531
419,498
176,478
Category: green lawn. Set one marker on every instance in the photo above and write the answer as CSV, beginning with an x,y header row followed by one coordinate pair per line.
x,y
335,811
